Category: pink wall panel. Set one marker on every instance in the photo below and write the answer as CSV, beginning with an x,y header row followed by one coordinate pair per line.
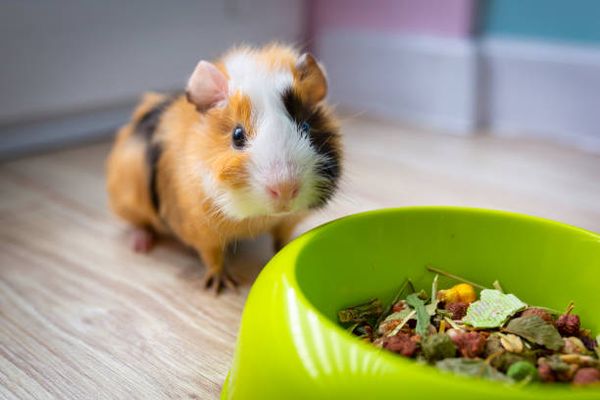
x,y
430,17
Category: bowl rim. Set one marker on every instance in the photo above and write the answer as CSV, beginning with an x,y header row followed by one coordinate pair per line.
x,y
478,210
287,260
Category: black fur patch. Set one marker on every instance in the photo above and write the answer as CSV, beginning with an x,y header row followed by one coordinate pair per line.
x,y
153,152
146,128
322,139
147,125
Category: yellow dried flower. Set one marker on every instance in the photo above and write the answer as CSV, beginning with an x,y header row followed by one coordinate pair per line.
x,y
461,293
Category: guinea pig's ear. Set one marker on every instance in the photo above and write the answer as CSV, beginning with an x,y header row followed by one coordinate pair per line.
x,y
207,86
311,78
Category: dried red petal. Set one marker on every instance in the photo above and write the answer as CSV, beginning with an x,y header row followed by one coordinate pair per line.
x,y
567,376
545,373
458,310
568,325
402,344
469,344
588,341
398,306
545,315
586,376
388,326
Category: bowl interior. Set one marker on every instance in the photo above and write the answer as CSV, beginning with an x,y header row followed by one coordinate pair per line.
x,y
370,255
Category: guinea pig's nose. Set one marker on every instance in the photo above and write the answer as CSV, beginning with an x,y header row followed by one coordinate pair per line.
x,y
284,191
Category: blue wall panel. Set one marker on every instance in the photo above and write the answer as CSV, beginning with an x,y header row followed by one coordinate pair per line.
x,y
563,20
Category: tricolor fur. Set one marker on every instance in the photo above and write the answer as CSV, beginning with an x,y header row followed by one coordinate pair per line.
x,y
174,169
265,96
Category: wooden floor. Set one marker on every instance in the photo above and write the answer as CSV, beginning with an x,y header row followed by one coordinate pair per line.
x,y
83,317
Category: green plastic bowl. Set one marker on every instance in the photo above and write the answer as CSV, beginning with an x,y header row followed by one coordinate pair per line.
x,y
291,347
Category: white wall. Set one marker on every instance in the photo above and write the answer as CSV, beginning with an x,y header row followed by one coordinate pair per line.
x,y
427,80
71,57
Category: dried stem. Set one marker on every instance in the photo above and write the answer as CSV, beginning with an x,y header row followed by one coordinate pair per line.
x,y
455,277
570,307
402,323
407,283
497,286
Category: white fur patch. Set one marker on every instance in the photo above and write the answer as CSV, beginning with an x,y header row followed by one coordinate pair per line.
x,y
278,151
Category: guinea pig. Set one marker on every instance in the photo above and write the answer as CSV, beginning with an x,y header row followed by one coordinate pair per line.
x,y
251,147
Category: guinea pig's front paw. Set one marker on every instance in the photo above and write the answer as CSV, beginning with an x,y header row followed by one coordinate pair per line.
x,y
142,240
216,280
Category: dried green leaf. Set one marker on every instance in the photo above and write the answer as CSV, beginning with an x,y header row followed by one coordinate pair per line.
x,y
431,308
471,367
437,347
493,309
423,318
504,360
362,312
433,304
536,330
523,370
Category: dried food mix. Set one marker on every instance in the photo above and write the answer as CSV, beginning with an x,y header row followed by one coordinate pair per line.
x,y
493,335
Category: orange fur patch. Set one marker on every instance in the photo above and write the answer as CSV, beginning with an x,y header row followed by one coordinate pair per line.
x,y
228,165
309,81
276,56
232,169
240,112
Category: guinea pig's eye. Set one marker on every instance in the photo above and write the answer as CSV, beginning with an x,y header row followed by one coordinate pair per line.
x,y
238,137
305,127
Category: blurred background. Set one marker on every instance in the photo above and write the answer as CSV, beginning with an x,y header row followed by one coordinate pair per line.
x,y
71,70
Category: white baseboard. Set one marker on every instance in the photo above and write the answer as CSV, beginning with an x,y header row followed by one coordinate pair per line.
x,y
426,80
22,138
541,89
